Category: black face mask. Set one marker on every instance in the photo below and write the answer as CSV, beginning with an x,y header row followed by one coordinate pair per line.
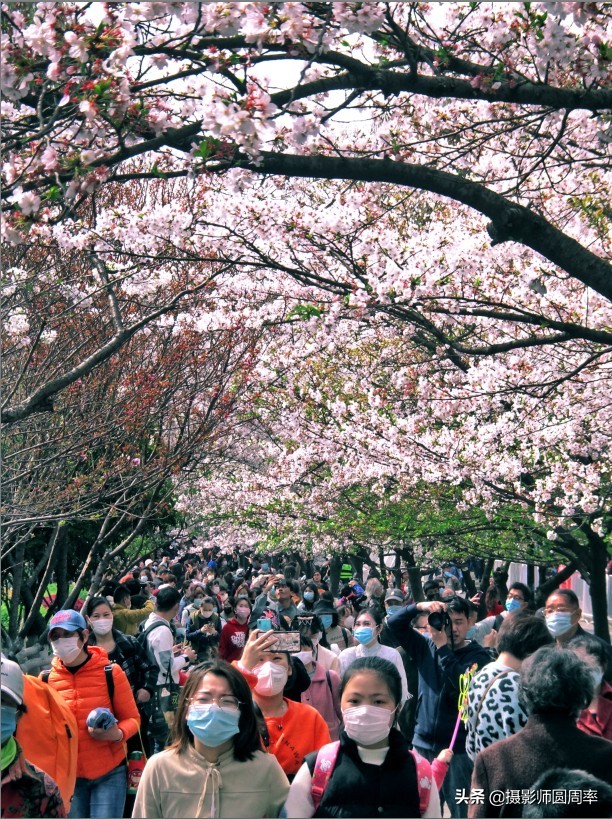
x,y
227,609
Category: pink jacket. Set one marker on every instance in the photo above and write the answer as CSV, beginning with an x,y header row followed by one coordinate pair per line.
x,y
323,695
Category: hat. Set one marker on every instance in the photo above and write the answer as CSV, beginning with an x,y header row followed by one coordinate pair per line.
x,y
148,562
240,573
12,681
394,594
212,564
67,619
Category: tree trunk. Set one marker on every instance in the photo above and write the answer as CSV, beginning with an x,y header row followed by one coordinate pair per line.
x,y
548,587
299,561
416,587
38,625
383,566
542,574
486,574
61,575
356,561
52,550
335,564
598,590
17,572
470,585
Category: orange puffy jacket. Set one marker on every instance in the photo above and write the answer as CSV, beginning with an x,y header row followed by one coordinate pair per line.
x,y
87,689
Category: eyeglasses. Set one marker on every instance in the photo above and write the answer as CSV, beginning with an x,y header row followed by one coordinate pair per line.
x,y
520,598
225,701
562,608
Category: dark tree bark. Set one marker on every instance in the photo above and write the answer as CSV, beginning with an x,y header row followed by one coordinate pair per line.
x,y
17,572
548,587
335,564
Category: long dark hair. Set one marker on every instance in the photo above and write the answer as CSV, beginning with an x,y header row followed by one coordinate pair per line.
x,y
247,740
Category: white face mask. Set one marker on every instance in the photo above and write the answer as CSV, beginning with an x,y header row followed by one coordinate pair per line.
x,y
304,656
271,679
66,648
367,724
102,627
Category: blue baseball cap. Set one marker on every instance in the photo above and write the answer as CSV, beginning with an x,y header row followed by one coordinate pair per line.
x,y
67,619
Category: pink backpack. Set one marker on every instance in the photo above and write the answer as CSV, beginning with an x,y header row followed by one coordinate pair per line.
x,y
326,762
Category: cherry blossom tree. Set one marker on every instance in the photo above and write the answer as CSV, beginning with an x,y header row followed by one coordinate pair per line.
x,y
412,198
99,470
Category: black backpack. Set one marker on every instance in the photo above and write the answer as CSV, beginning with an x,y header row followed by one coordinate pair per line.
x,y
142,638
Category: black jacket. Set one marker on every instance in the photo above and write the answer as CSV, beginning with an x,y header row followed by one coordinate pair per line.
x,y
360,790
439,671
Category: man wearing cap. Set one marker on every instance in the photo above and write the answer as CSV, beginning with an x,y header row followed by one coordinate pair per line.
x,y
26,790
78,674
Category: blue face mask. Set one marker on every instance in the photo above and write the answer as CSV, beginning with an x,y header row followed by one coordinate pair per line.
x,y
212,725
9,722
197,601
364,635
512,604
393,609
309,596
326,620
559,622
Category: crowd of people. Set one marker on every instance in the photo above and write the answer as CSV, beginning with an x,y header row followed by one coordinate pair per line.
x,y
220,687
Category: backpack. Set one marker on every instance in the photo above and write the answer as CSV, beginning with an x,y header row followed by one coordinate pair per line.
x,y
143,641
326,762
54,748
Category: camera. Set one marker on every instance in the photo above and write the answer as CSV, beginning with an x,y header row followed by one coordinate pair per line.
x,y
439,620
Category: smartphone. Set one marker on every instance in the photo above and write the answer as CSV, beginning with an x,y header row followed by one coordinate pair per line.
x,y
265,624
287,641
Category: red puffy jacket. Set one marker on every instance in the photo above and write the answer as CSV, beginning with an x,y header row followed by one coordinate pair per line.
x,y
87,689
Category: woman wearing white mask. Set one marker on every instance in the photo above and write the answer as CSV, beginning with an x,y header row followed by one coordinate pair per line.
x,y
368,626
78,675
124,650
323,693
294,729
215,765
234,633
371,770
